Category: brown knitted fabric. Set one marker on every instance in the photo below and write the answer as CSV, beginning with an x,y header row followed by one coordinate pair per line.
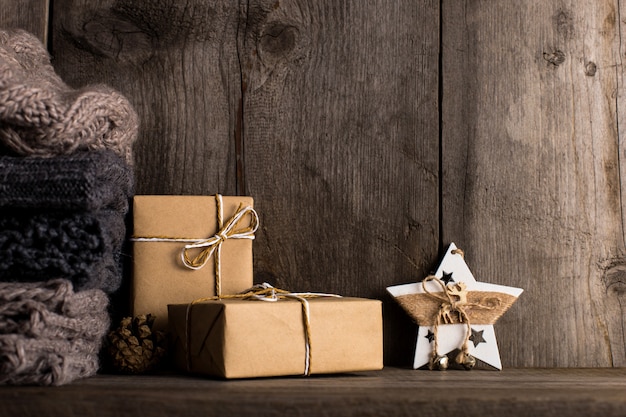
x,y
49,334
40,115
30,361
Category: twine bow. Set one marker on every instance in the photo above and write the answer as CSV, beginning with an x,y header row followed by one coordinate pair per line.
x,y
453,303
213,245
266,292
225,232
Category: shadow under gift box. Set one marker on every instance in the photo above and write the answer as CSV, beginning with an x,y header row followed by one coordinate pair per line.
x,y
159,276
234,338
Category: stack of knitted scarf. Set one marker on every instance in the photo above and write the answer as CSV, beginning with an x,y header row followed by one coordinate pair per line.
x,y
49,334
65,184
64,217
40,115
83,181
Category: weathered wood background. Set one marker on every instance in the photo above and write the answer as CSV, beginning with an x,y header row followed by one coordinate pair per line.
x,y
373,133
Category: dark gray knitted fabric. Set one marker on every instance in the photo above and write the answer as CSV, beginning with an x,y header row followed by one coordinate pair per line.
x,y
50,335
81,247
82,181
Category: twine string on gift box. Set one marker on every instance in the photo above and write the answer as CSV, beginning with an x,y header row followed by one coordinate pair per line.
x,y
266,292
213,245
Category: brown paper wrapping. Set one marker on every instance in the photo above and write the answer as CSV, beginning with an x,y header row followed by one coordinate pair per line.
x,y
233,338
159,276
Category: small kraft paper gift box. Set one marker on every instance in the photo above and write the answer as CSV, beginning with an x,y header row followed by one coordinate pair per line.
x,y
186,247
298,334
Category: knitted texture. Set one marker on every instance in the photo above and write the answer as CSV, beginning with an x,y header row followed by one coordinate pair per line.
x,y
41,115
50,335
81,181
83,247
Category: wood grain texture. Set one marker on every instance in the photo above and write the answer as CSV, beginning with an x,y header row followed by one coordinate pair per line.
x,y
177,63
341,147
531,170
30,15
392,392
324,114
327,115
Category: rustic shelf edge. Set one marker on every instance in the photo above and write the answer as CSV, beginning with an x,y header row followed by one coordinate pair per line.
x,y
393,391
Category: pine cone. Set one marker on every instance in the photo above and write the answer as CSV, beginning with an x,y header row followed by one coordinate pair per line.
x,y
133,347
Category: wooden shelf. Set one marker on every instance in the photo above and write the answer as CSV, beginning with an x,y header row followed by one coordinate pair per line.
x,y
391,392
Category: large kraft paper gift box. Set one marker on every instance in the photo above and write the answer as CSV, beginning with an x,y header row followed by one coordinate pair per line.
x,y
160,276
235,338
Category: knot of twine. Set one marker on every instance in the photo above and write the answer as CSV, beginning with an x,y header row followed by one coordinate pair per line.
x,y
453,301
213,245
266,292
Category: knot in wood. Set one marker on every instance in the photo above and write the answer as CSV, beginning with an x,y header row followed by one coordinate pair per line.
x,y
279,39
615,280
555,58
590,69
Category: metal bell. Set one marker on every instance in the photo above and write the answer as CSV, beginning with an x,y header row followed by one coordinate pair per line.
x,y
439,363
466,360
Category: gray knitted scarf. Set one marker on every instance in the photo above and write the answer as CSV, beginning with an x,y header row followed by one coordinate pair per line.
x,y
41,115
83,247
82,181
49,334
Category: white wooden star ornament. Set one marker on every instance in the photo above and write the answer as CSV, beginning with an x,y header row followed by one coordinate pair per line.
x,y
455,312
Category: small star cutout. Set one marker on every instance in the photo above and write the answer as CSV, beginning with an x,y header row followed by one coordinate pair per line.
x,y
430,336
447,278
477,337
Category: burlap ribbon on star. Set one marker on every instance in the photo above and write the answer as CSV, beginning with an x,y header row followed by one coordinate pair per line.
x,y
454,304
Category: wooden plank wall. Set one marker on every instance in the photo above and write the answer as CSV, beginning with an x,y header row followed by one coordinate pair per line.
x,y
532,170
30,15
341,147
328,115
314,108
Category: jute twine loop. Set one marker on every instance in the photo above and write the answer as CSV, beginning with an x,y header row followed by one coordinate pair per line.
x,y
458,251
213,245
266,292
